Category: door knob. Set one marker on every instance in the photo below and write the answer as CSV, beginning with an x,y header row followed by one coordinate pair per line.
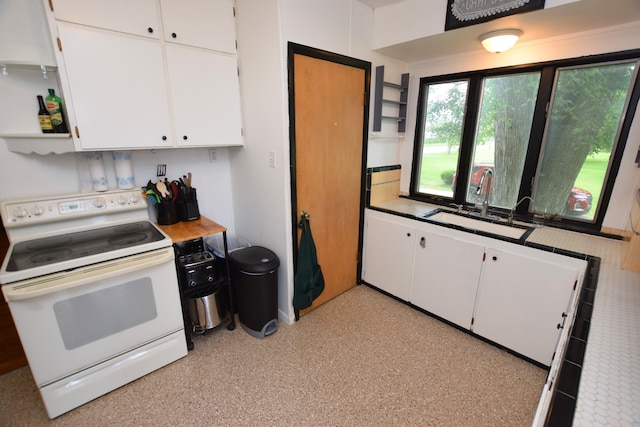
x,y
423,242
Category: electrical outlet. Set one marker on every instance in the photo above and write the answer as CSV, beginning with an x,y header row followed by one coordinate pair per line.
x,y
161,170
212,155
272,159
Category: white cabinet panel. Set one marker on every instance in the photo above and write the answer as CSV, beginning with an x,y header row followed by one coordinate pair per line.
x,y
388,254
118,94
139,17
521,301
446,276
209,24
205,97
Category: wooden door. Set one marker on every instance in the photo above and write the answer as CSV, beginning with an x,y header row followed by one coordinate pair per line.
x,y
329,109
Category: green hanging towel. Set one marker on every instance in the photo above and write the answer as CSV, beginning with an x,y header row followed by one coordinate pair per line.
x,y
308,281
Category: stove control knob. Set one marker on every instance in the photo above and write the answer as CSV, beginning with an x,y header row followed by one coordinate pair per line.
x,y
210,279
38,210
135,198
99,203
20,212
192,283
122,200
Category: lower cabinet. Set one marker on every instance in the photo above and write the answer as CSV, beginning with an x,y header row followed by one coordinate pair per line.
x,y
389,246
521,302
513,295
445,276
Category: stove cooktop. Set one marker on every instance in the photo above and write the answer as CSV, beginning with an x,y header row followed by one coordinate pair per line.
x,y
72,246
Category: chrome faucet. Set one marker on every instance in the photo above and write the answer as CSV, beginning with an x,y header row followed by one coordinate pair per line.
x,y
510,219
487,176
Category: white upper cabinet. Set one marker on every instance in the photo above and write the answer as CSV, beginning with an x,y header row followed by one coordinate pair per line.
x,y
148,73
139,17
119,97
202,23
201,111
209,24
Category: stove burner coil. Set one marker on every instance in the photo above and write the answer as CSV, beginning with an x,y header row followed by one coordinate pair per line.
x,y
128,228
50,256
128,239
49,243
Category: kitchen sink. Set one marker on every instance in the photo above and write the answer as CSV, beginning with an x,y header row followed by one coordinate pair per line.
x,y
477,224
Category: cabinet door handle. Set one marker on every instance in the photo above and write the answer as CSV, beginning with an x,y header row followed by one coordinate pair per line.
x,y
184,137
423,242
164,138
174,35
150,30
495,258
408,234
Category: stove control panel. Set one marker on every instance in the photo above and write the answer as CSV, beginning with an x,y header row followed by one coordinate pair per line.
x,y
20,212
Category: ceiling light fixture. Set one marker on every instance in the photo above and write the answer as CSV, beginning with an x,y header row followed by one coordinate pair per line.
x,y
500,41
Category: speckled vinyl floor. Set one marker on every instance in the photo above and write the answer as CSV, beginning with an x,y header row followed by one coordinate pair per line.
x,y
361,359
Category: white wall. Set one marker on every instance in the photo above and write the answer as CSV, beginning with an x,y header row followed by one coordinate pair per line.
x,y
262,195
589,43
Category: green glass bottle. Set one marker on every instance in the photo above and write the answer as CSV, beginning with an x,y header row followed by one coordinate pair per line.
x,y
56,110
44,117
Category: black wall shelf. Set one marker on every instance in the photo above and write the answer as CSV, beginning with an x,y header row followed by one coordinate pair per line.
x,y
379,100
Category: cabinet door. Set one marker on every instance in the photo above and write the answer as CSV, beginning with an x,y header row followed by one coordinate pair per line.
x,y
388,255
445,278
206,97
521,301
118,89
209,24
139,17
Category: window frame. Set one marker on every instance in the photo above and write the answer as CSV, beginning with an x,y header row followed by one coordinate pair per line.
x,y
472,108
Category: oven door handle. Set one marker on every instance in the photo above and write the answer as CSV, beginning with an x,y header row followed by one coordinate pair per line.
x,y
40,286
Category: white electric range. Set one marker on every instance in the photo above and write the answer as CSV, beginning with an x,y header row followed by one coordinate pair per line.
x,y
92,288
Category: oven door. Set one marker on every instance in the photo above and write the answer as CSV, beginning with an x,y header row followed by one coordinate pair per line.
x,y
70,321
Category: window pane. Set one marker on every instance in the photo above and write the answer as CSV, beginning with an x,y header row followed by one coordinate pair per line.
x,y
444,120
502,137
582,129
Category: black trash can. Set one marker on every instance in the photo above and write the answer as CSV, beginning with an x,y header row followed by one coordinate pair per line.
x,y
254,278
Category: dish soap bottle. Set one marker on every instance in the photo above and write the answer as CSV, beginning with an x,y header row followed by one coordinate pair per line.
x,y
44,117
54,105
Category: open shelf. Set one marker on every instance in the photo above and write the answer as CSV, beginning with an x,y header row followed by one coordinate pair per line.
x,y
379,100
40,143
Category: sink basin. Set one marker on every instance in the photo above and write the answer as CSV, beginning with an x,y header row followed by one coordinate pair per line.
x,y
475,224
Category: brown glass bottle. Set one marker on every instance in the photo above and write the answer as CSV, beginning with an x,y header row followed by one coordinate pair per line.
x,y
44,117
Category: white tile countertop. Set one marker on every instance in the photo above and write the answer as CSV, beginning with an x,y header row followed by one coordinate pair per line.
x,y
609,392
609,387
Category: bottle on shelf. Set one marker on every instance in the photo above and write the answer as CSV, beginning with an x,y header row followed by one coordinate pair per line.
x,y
56,110
44,117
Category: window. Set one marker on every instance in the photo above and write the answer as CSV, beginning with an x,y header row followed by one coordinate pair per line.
x,y
502,135
444,104
584,122
553,132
